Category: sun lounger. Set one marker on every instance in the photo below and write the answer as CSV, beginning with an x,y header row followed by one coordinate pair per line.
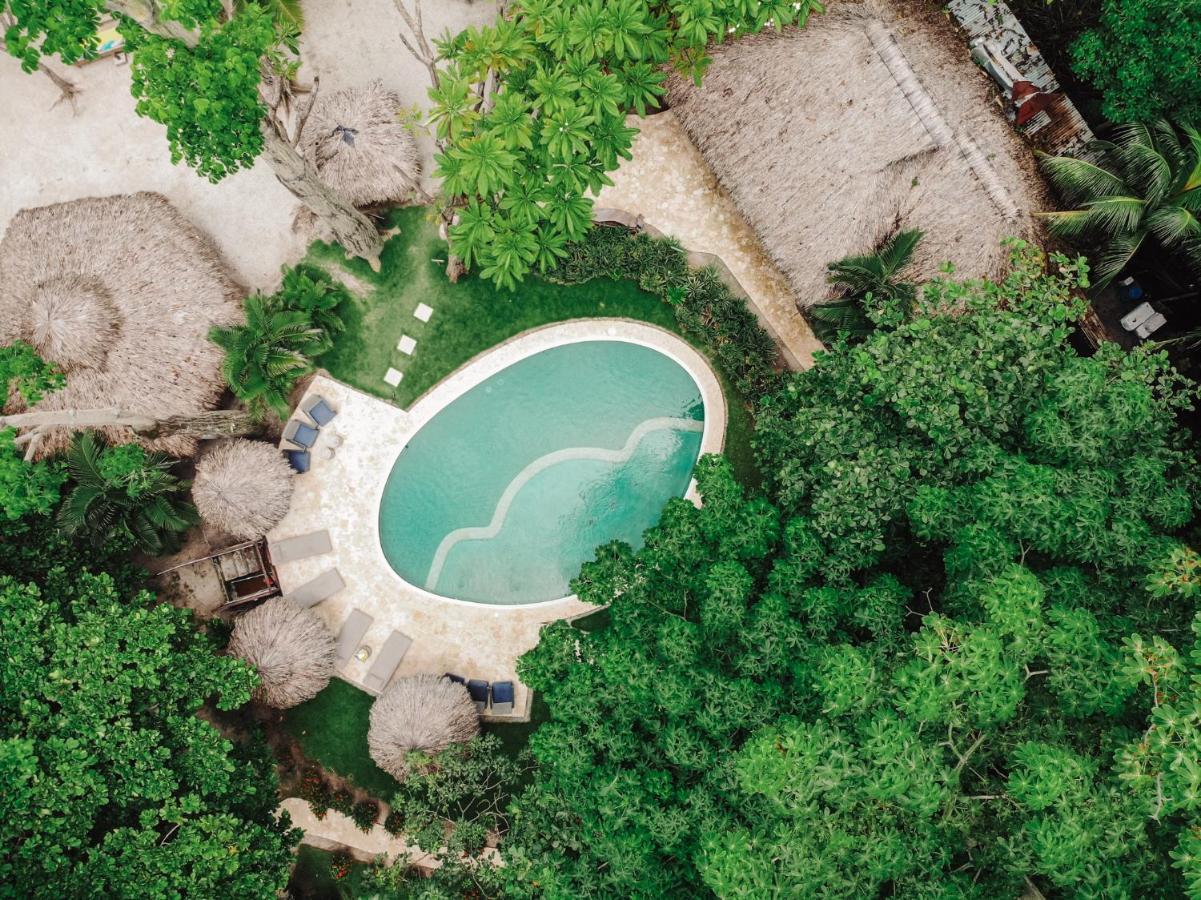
x,y
320,588
384,667
479,693
300,460
351,634
302,546
502,698
318,410
300,434
457,679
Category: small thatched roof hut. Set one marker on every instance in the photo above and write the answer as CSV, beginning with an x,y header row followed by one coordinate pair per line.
x,y
242,487
289,647
870,119
119,292
360,147
424,713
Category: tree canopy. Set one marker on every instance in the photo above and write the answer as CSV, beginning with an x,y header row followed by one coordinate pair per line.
x,y
946,656
530,112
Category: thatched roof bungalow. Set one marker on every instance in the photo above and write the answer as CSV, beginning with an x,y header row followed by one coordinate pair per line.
x,y
242,487
290,648
422,713
119,292
361,149
831,137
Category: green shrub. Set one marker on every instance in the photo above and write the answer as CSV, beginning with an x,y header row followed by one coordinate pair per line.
x,y
705,306
365,814
342,800
394,822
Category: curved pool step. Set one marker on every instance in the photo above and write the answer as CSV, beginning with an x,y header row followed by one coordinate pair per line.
x,y
541,464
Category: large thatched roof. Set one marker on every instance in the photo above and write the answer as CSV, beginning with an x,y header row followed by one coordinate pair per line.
x,y
242,487
120,293
831,137
289,647
424,713
360,148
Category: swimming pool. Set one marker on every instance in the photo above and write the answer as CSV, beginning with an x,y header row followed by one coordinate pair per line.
x,y
508,489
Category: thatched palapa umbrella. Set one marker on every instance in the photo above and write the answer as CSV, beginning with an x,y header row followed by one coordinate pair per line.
x,y
289,647
119,293
424,713
242,487
359,146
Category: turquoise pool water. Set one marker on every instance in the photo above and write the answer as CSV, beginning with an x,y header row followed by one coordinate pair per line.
x,y
509,489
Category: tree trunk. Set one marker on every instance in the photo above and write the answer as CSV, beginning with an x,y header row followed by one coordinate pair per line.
x,y
208,425
67,89
149,15
353,230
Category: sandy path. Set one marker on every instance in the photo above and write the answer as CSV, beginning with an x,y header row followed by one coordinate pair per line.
x,y
49,156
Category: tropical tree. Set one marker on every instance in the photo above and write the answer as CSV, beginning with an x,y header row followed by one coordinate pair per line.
x,y
25,486
124,495
530,112
1143,55
313,291
942,658
221,81
265,356
871,290
1147,186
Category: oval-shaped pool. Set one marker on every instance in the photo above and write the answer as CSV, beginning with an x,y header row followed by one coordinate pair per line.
x,y
506,491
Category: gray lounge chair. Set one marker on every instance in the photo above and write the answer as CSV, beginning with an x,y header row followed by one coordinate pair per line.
x,y
318,409
502,698
300,434
384,667
301,546
351,634
479,693
320,588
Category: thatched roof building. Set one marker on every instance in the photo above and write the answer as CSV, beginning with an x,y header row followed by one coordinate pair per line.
x,y
242,487
119,292
289,647
360,147
832,137
424,713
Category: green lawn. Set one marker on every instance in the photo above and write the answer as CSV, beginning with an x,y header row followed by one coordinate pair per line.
x,y
471,317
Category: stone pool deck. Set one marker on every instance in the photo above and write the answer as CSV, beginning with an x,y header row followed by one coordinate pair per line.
x,y
341,494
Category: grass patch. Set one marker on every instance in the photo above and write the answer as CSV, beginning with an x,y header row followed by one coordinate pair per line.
x,y
472,316
313,880
332,731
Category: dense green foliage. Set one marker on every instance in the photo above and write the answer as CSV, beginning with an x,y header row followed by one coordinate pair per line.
x,y
531,112
124,496
946,657
110,786
705,307
25,487
1144,57
1147,187
871,291
283,333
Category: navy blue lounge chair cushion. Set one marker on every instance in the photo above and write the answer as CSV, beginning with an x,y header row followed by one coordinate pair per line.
x,y
502,692
321,413
300,434
457,679
300,460
478,690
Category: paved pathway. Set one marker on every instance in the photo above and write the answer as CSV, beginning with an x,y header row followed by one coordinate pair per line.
x,y
669,185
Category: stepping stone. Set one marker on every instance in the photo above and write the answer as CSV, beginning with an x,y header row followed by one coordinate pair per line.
x,y
407,345
392,377
423,312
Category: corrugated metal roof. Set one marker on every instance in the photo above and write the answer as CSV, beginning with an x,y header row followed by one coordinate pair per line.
x,y
1059,131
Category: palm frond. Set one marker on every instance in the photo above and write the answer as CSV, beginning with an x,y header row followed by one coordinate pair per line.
x,y
897,251
1144,167
1079,181
1174,226
1109,261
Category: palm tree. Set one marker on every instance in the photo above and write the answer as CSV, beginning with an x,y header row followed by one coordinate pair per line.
x,y
868,284
124,494
1148,184
265,357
